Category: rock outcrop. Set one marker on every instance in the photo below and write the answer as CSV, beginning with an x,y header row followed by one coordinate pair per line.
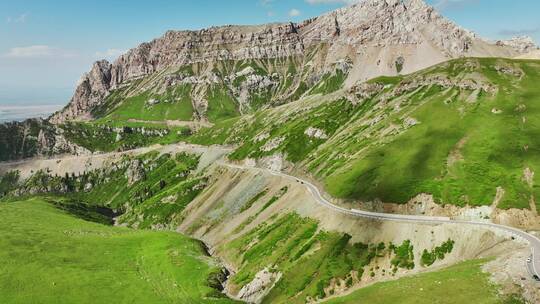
x,y
379,37
135,172
263,282
34,137
522,44
91,91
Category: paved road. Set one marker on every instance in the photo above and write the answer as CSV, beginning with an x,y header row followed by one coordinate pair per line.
x,y
534,242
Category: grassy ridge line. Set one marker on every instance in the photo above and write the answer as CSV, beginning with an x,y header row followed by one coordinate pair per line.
x,y
55,258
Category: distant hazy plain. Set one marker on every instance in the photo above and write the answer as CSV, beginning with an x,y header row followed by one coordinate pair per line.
x,y
28,101
22,112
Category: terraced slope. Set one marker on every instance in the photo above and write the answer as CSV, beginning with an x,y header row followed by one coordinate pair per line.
x,y
53,257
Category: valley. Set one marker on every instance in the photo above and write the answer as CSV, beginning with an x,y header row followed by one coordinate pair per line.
x,y
230,211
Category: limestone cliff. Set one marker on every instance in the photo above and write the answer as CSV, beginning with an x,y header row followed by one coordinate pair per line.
x,y
378,37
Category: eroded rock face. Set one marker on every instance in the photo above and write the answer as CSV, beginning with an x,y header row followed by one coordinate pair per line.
x,y
511,71
522,44
263,282
91,91
372,33
366,90
135,172
442,81
316,133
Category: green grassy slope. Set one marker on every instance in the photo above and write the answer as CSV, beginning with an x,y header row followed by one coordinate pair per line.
x,y
462,283
52,257
284,244
219,90
174,104
458,130
307,257
120,136
463,149
166,186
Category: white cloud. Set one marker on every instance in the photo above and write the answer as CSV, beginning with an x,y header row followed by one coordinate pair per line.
x,y
33,51
110,53
19,19
38,51
294,13
519,32
267,5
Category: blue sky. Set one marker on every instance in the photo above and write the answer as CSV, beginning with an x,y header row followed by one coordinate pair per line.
x,y
46,45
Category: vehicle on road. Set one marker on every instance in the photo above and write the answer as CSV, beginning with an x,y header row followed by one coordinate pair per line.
x,y
536,278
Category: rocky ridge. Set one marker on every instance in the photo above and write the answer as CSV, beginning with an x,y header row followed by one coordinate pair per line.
x,y
379,37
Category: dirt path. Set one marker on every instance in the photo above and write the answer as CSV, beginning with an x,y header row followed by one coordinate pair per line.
x,y
175,123
80,163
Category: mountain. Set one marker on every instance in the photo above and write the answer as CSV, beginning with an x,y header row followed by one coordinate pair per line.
x,y
458,140
315,161
462,131
256,66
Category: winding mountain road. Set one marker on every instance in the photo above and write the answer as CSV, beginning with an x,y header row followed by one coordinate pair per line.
x,y
30,165
533,264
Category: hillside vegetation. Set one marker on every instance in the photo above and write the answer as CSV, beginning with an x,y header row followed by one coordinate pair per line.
x,y
462,131
202,142
462,283
308,260
218,91
458,131
147,191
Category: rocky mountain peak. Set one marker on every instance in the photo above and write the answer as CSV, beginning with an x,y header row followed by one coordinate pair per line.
x,y
390,22
91,91
380,37
522,44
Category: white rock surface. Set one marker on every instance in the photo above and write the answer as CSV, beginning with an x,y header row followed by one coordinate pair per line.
x,y
263,282
272,144
316,133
